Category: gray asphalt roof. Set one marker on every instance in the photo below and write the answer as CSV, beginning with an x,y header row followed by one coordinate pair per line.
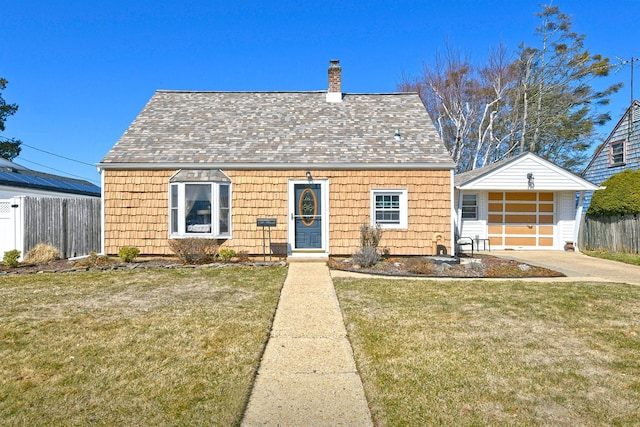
x,y
280,129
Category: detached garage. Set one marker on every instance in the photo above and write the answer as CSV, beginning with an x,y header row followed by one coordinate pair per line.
x,y
524,202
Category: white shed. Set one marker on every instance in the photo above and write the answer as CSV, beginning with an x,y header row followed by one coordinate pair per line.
x,y
524,202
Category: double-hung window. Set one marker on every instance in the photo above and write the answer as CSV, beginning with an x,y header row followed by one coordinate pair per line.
x,y
617,153
469,206
389,208
200,206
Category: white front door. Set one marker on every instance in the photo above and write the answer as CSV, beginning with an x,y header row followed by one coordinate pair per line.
x,y
308,231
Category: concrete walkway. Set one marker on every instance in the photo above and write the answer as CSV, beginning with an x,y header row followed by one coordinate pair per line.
x,y
308,375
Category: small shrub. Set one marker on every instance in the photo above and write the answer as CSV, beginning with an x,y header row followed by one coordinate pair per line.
x,y
128,253
194,251
226,255
93,260
366,257
370,236
41,254
243,256
419,266
10,258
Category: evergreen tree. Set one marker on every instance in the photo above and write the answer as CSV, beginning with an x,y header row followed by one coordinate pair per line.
x,y
558,106
9,147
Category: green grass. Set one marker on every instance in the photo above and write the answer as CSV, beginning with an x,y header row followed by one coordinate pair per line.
x,y
153,347
615,256
496,353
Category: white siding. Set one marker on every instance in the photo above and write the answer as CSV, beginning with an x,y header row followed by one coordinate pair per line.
x,y
478,227
6,192
514,178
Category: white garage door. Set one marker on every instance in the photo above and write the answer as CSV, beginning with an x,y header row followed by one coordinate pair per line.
x,y
521,219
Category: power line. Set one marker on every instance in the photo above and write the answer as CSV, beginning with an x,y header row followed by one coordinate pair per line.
x,y
48,152
57,155
61,171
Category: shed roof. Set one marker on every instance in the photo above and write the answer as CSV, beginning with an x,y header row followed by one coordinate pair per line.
x,y
277,130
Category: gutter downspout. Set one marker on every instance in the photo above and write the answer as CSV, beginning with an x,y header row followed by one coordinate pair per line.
x,y
453,217
102,230
576,225
458,218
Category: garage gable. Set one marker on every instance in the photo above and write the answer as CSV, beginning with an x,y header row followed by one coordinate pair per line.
x,y
524,172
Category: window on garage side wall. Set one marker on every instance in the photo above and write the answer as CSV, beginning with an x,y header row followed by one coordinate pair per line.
x,y
469,206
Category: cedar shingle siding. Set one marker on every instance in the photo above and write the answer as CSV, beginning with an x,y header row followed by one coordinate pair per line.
x,y
136,208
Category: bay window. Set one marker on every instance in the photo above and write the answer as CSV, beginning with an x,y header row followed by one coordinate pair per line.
x,y
199,209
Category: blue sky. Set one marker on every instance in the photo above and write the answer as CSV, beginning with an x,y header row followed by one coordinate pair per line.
x,y
81,70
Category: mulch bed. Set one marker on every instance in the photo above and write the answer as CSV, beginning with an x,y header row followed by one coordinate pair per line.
x,y
106,263
481,265
478,266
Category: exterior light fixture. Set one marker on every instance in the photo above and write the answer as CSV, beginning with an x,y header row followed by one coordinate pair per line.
x,y
398,135
530,180
309,175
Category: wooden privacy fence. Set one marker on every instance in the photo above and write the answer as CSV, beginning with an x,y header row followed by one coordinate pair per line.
x,y
614,233
71,225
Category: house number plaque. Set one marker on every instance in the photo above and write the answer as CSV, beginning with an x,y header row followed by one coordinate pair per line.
x,y
308,206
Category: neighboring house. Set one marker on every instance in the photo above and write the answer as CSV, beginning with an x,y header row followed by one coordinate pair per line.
x,y
16,180
620,151
524,202
323,163
26,218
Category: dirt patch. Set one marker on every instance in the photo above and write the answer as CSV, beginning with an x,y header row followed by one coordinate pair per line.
x,y
481,265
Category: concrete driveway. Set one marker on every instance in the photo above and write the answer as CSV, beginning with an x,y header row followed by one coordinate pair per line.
x,y
576,265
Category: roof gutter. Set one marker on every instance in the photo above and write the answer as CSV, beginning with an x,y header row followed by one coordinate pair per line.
x,y
277,166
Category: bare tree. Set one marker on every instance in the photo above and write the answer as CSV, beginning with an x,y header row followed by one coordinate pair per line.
x,y
541,101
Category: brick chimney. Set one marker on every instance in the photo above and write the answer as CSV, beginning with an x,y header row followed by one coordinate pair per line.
x,y
334,94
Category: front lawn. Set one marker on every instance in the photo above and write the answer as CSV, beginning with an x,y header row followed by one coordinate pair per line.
x,y
633,259
153,347
495,353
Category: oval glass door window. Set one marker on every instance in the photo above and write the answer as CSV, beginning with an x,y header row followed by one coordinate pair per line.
x,y
308,207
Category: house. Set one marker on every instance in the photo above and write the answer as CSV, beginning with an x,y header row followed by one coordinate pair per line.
x,y
37,207
524,202
620,151
318,164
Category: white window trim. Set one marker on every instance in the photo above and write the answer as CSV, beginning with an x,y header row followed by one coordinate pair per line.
x,y
404,210
215,212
